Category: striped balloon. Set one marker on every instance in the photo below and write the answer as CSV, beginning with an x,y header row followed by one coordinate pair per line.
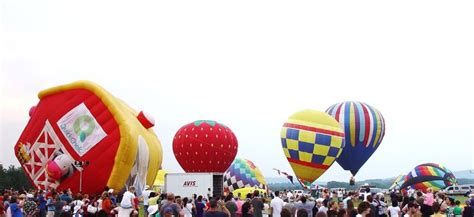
x,y
429,175
364,129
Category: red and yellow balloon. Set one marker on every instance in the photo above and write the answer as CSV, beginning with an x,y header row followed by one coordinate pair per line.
x,y
312,141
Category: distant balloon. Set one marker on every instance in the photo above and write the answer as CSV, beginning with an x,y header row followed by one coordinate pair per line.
x,y
243,173
311,141
429,175
205,146
364,129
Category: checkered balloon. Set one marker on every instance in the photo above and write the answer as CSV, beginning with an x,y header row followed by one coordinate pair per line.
x,y
311,141
243,173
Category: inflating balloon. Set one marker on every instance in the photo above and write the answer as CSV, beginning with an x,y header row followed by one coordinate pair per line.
x,y
243,173
398,182
160,178
205,146
429,175
242,192
311,141
364,129
82,122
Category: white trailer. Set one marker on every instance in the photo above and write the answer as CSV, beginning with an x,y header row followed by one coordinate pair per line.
x,y
187,184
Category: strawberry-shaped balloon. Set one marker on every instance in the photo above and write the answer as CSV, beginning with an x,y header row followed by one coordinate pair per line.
x,y
205,146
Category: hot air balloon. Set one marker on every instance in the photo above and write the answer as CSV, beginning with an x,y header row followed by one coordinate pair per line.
x,y
364,129
429,175
80,130
398,182
242,192
205,146
243,173
311,141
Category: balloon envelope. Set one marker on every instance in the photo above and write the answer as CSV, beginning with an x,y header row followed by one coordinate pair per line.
x,y
205,146
160,178
243,173
429,175
82,122
242,192
398,182
364,129
311,141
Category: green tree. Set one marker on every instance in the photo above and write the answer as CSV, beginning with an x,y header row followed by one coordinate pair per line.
x,y
13,177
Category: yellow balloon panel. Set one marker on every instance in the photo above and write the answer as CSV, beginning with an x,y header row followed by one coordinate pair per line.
x,y
311,141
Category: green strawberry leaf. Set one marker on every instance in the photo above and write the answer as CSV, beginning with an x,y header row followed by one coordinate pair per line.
x,y
199,122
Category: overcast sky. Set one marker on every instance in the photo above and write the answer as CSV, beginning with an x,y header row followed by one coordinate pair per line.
x,y
251,64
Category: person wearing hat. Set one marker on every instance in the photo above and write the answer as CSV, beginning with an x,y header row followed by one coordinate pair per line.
x,y
30,206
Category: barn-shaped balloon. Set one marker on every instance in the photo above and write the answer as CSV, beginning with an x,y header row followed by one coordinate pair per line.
x,y
81,128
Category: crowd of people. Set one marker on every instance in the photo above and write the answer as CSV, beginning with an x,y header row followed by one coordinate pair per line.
x,y
39,203
342,204
280,204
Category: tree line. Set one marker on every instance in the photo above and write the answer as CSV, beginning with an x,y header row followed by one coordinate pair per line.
x,y
13,177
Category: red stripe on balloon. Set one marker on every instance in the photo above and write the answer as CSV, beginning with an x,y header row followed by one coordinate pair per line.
x,y
338,111
314,129
367,125
317,166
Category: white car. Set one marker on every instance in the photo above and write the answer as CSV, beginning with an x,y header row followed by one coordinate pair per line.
x,y
459,190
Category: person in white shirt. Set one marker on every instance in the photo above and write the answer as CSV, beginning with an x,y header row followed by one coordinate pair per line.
x,y
77,203
339,195
77,211
209,193
146,196
381,205
277,205
411,192
349,197
394,209
289,195
188,207
126,206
